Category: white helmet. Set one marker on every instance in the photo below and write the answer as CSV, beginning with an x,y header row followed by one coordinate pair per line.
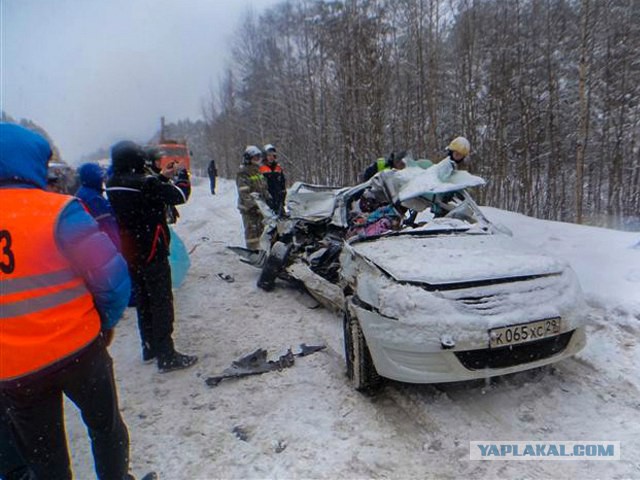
x,y
269,148
250,152
460,145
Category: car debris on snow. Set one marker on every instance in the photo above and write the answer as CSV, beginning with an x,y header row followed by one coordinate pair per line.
x,y
256,363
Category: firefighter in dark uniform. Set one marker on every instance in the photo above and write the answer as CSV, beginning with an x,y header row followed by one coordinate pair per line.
x,y
250,181
274,175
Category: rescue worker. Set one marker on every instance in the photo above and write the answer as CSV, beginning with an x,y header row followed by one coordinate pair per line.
x,y
457,151
91,192
251,183
395,161
272,171
64,288
212,171
140,201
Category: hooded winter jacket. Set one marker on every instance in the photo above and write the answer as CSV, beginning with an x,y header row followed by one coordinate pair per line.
x,y
91,193
140,201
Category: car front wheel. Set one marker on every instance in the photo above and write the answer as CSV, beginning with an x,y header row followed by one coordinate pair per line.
x,y
276,261
360,368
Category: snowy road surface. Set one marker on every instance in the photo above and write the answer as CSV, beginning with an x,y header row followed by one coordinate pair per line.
x,y
307,422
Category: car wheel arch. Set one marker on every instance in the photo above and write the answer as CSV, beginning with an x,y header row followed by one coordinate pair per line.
x,y
361,370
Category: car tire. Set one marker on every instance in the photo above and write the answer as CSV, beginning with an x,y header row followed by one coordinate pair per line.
x,y
360,368
273,265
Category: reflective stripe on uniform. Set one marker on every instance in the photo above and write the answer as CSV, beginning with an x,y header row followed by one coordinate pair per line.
x,y
31,305
15,285
184,197
126,189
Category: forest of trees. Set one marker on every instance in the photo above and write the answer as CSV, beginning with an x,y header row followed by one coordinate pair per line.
x,y
545,90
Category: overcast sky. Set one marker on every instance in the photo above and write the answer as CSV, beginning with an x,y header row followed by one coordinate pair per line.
x,y
92,72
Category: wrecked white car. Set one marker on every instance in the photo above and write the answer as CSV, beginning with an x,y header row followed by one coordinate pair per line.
x,y
431,290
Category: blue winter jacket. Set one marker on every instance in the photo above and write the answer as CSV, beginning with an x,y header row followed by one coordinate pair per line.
x,y
91,181
23,164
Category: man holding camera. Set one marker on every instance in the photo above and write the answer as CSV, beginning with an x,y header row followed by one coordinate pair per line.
x,y
140,201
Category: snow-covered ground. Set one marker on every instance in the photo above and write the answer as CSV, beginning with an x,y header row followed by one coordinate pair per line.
x,y
307,422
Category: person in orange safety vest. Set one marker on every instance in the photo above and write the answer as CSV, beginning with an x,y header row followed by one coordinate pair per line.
x,y
64,288
272,172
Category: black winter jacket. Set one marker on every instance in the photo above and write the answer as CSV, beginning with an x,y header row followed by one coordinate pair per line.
x,y
140,202
277,185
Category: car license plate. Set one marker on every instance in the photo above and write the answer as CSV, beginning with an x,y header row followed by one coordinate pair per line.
x,y
525,332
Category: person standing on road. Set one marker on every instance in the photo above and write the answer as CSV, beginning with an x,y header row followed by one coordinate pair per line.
x,y
212,171
251,184
140,201
272,171
64,288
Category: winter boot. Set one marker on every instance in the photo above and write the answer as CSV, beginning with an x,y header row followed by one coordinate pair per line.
x,y
176,361
148,353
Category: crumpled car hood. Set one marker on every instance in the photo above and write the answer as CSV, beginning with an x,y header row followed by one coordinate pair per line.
x,y
455,258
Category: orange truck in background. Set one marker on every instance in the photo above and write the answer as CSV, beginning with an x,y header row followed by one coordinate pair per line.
x,y
174,151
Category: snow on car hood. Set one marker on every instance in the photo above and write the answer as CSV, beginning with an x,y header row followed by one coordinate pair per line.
x,y
452,258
